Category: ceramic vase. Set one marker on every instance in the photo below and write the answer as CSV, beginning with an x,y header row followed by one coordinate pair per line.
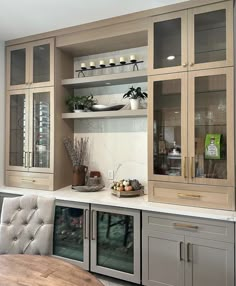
x,y
134,103
79,174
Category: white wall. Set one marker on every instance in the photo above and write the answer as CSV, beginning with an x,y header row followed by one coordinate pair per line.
x,y
2,110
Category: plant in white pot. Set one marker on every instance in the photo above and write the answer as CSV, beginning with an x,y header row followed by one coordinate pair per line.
x,y
134,95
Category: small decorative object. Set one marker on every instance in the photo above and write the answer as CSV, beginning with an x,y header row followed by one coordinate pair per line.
x,y
122,60
135,94
78,103
102,64
92,65
112,62
132,59
127,188
78,154
94,178
161,145
213,146
101,107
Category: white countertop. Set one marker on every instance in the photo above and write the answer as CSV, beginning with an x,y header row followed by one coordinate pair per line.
x,y
104,197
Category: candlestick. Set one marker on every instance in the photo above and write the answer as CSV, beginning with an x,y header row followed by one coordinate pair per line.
x,y
102,64
92,65
122,60
83,66
132,59
112,62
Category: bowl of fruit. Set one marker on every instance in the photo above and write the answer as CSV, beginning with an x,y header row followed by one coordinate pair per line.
x,y
127,188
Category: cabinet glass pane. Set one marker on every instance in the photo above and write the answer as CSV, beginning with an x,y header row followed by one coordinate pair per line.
x,y
210,36
17,67
210,127
68,233
41,129
17,130
167,127
167,43
41,63
115,241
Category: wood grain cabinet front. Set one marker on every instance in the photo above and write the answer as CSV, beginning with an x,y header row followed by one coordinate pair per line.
x,y
181,251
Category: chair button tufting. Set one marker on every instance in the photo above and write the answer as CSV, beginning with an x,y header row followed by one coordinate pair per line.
x,y
15,238
32,239
19,209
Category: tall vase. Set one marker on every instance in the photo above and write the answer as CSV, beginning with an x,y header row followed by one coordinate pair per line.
x,y
79,174
134,103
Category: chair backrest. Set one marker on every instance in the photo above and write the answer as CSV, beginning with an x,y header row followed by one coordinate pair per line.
x,y
27,225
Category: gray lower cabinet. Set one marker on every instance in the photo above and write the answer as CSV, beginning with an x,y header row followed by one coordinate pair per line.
x,y
163,263
180,251
102,239
209,263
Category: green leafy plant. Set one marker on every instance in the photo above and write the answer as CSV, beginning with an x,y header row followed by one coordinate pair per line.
x,y
135,93
80,102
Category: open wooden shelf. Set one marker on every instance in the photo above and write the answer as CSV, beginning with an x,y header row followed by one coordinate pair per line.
x,y
105,114
102,80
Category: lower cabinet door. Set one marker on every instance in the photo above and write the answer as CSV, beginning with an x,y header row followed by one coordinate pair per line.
x,y
163,259
71,232
115,242
209,263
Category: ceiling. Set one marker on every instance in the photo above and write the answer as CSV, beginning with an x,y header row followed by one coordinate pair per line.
x,y
28,17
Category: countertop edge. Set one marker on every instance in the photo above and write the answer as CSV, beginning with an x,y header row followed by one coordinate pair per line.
x,y
104,197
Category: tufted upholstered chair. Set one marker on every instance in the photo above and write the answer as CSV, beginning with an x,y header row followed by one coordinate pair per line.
x,y
27,225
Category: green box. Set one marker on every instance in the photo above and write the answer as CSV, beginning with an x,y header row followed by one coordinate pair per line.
x,y
213,146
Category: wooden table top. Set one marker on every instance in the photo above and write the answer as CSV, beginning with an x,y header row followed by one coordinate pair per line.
x,y
36,270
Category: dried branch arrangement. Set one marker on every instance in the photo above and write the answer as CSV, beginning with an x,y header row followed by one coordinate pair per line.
x,y
77,151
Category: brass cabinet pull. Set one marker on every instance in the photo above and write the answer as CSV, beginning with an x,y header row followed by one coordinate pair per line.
x,y
27,180
192,167
184,65
188,252
30,160
188,196
191,64
180,251
25,159
86,224
185,225
185,168
93,225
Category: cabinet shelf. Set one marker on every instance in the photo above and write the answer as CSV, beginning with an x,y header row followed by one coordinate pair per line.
x,y
106,114
101,80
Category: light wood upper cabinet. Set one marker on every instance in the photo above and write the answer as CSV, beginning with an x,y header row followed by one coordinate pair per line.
x,y
192,39
30,130
30,65
191,138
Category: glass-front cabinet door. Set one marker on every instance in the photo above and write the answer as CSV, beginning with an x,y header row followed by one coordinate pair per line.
x,y
41,127
115,242
17,131
211,132
42,63
168,43
71,232
211,36
17,67
168,115
30,65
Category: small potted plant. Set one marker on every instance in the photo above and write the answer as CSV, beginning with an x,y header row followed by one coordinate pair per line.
x,y
78,103
134,95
